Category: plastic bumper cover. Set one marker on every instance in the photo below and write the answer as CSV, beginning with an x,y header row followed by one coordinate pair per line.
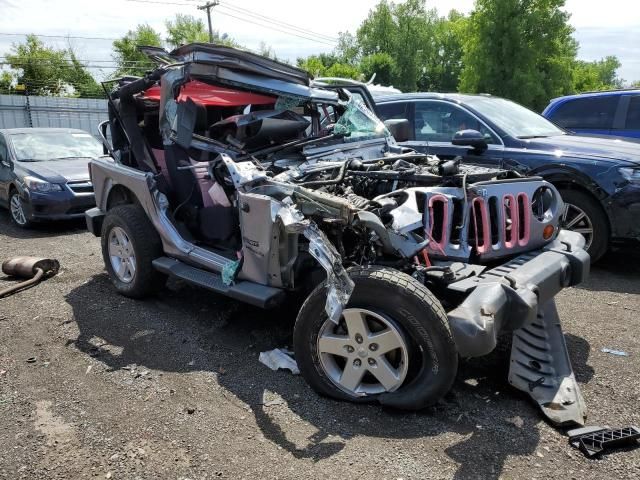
x,y
508,296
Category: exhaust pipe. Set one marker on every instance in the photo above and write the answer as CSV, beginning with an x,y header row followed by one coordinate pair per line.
x,y
32,269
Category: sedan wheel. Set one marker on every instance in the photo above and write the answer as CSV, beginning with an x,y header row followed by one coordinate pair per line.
x,y
122,255
365,354
17,211
575,219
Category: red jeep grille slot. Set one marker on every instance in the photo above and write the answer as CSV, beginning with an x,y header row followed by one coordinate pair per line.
x,y
481,227
523,219
438,220
510,224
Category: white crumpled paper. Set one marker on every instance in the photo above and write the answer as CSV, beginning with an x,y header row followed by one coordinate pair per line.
x,y
279,358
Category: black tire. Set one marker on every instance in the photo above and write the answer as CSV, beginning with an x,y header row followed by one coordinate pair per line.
x,y
433,359
27,223
597,217
146,247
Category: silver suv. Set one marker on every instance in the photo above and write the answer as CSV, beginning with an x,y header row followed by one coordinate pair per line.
x,y
238,174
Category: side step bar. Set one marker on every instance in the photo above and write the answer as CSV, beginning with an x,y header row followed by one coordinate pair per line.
x,y
248,292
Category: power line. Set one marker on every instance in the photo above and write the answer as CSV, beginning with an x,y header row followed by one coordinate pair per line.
x,y
267,25
279,22
274,28
55,36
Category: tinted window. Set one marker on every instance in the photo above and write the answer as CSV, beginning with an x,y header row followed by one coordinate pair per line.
x,y
592,112
633,114
439,121
392,110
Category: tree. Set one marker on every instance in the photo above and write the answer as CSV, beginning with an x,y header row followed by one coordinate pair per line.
x,y
519,49
382,65
185,29
6,82
45,70
267,51
598,75
442,66
41,69
129,60
348,49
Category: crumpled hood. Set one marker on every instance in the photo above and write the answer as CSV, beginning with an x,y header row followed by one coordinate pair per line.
x,y
584,146
59,171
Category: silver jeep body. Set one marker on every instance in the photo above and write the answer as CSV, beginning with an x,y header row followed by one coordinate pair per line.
x,y
506,260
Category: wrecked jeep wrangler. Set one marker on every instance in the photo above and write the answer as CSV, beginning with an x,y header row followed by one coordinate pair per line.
x,y
238,174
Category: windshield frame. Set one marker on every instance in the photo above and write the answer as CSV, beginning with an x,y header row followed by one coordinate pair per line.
x,y
507,125
65,152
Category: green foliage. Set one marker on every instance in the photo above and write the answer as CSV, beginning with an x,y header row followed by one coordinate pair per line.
x,y
343,70
45,70
519,49
598,75
130,61
185,29
6,82
348,49
382,65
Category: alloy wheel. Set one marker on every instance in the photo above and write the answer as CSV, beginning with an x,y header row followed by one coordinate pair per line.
x,y
364,354
17,212
575,219
122,255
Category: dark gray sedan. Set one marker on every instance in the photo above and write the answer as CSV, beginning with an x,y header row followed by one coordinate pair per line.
x,y
44,173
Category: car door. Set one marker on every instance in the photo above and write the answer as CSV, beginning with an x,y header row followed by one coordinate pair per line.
x,y
6,170
435,122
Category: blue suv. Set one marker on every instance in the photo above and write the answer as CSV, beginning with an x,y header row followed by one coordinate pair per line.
x,y
612,113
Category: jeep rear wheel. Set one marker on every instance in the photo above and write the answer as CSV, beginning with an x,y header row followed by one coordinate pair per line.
x,y
392,344
129,245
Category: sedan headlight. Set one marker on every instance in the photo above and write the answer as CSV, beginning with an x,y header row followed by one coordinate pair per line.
x,y
40,186
631,174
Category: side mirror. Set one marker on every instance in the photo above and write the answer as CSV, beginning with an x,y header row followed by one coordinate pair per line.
x,y
400,128
470,138
5,163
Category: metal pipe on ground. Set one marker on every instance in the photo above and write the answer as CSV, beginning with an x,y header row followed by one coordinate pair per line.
x,y
32,269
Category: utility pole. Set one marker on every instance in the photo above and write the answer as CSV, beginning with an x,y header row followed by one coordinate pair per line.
x,y
208,6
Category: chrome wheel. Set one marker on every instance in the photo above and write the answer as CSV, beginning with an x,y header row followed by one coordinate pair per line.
x,y
121,255
364,354
575,219
17,212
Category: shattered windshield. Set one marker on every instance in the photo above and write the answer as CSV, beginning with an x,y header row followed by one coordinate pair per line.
x,y
359,122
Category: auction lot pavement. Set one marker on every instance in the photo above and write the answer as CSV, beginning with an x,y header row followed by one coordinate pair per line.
x,y
171,387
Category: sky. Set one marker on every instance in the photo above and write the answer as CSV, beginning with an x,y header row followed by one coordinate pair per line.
x,y
602,28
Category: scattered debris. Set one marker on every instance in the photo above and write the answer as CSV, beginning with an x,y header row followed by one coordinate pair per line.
x,y
2,372
270,399
88,369
279,358
32,360
190,410
620,353
592,441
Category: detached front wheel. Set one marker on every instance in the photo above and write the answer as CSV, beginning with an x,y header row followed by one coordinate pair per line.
x,y
392,344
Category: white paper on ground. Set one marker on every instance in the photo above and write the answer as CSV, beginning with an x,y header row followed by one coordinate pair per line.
x,y
279,359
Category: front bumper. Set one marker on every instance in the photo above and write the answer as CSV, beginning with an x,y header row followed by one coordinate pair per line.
x,y
624,208
507,297
519,296
62,205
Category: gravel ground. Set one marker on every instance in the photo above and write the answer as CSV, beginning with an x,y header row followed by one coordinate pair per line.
x,y
171,387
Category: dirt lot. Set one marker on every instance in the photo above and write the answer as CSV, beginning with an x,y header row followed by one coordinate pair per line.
x,y
172,388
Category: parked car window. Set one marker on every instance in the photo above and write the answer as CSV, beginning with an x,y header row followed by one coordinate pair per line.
x,y
38,146
4,153
633,114
393,110
588,112
439,121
